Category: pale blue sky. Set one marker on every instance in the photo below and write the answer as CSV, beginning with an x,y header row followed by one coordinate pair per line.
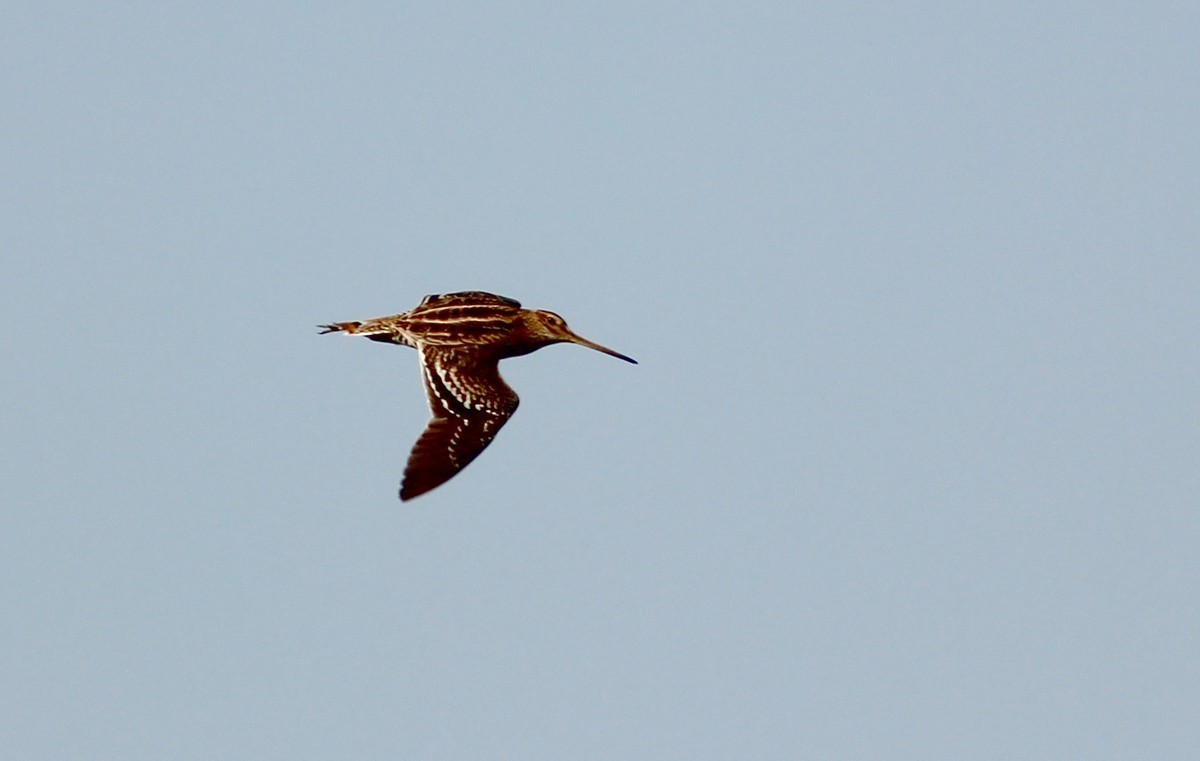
x,y
908,470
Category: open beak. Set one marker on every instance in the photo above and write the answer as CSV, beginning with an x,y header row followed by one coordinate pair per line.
x,y
584,342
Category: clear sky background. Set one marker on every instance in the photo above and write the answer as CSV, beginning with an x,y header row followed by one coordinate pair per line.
x,y
909,468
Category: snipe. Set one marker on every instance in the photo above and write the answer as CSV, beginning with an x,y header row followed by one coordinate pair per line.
x,y
460,339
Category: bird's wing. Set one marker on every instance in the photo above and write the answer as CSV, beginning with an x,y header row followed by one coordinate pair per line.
x,y
470,402
467,298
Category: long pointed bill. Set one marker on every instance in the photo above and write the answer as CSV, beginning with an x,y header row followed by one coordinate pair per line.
x,y
591,345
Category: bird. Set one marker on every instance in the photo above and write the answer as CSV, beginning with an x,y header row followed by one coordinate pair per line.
x,y
460,339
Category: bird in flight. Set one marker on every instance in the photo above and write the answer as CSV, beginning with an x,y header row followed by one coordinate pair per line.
x,y
460,339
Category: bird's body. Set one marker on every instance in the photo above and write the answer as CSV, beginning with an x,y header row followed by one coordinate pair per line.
x,y
460,339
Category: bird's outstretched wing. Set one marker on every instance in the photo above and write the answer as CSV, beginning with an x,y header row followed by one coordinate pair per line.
x,y
470,402
468,298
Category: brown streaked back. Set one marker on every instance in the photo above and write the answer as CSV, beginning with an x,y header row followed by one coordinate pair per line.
x,y
469,317
434,300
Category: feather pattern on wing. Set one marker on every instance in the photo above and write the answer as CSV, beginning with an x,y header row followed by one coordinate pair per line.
x,y
470,402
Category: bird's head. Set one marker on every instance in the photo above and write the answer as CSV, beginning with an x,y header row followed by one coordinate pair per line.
x,y
550,328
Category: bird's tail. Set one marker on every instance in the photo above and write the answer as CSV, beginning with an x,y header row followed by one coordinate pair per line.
x,y
340,327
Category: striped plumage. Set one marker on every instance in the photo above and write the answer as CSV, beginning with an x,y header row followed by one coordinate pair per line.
x,y
460,339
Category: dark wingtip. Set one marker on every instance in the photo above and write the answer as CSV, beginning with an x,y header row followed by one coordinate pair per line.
x,y
410,490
